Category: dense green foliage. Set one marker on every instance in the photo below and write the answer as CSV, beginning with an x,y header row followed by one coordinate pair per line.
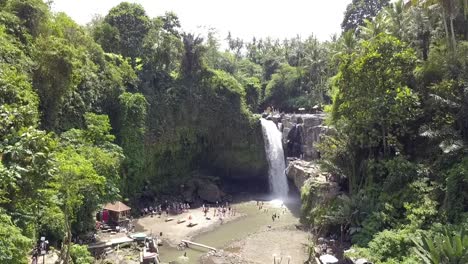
x,y
129,107
360,10
14,244
444,248
132,107
399,144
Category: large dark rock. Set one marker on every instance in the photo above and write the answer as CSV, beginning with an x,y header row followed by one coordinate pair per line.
x,y
208,191
312,130
189,190
202,188
298,171
308,175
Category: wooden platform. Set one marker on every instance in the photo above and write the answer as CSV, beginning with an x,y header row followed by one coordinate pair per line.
x,y
188,242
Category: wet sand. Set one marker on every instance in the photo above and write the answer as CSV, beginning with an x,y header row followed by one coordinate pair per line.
x,y
173,233
283,243
251,236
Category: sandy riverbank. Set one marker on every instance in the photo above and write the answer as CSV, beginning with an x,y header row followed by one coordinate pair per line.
x,y
261,247
248,237
173,233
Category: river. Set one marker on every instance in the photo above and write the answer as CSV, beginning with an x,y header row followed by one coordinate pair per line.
x,y
253,221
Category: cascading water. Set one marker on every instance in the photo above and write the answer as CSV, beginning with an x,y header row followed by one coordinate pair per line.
x,y
275,158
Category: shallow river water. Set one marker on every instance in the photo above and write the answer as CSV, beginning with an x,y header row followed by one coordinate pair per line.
x,y
253,221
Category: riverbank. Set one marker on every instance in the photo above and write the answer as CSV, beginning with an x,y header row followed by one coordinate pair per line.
x,y
240,240
249,236
285,243
174,232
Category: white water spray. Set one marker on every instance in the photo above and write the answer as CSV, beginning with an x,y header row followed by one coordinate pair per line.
x,y
275,158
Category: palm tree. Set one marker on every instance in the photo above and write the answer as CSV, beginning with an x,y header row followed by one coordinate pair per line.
x,y
372,28
395,16
418,29
345,45
192,59
450,9
348,41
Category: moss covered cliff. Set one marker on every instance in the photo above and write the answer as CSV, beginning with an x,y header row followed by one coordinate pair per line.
x,y
200,125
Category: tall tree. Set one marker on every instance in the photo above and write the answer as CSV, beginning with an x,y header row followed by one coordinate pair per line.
x,y
162,45
132,25
193,51
374,105
419,28
360,10
75,177
450,10
372,28
394,13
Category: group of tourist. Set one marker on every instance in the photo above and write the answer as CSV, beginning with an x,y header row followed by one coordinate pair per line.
x,y
260,205
275,215
220,210
169,208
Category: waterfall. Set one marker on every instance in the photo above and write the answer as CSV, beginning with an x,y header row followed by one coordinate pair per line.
x,y
275,157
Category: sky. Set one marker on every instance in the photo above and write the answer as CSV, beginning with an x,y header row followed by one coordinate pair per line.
x,y
243,18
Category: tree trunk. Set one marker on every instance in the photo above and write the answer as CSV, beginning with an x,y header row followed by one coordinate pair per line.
x,y
447,34
65,255
454,41
384,141
425,45
341,234
67,241
352,177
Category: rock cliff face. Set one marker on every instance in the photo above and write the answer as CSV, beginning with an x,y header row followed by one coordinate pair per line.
x,y
302,172
313,129
317,187
298,171
320,191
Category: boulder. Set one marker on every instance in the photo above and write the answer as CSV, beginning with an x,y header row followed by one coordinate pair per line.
x,y
307,176
321,190
208,191
298,171
318,192
188,191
